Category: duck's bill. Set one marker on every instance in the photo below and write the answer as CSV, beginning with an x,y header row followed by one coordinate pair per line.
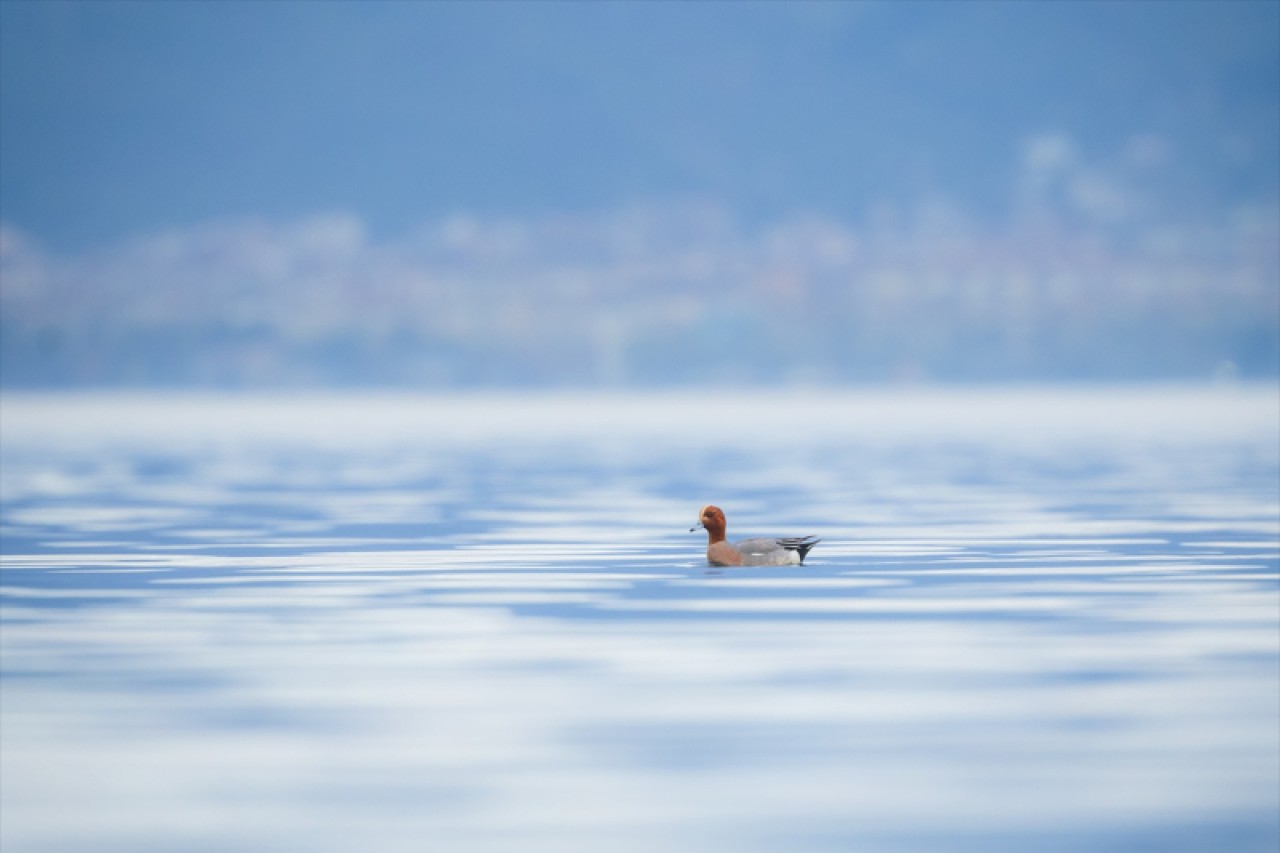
x,y
695,527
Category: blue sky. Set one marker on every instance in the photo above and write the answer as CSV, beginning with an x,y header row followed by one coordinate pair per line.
x,y
541,193
120,118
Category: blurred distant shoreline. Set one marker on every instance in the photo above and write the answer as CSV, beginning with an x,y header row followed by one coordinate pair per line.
x,y
651,297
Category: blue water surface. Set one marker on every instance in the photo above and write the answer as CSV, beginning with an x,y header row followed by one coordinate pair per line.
x,y
1040,620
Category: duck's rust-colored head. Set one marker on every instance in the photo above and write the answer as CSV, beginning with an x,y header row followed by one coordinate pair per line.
x,y
711,518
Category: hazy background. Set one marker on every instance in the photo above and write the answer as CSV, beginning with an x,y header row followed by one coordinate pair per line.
x,y
448,195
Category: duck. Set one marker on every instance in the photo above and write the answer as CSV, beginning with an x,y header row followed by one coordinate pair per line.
x,y
785,551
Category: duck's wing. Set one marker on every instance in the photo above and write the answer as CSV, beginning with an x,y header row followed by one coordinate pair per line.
x,y
758,546
764,548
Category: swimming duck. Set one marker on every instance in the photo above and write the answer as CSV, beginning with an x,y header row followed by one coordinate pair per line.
x,y
788,551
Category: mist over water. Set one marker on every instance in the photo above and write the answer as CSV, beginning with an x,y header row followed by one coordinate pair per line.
x,y
1038,620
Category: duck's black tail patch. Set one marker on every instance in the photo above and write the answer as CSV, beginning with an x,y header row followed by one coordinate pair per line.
x,y
801,545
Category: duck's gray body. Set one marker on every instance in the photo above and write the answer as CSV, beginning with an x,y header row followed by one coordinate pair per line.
x,y
788,551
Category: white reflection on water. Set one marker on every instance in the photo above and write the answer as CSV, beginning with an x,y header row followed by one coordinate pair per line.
x,y
1037,621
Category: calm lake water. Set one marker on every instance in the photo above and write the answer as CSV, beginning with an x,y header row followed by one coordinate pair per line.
x,y
1037,621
